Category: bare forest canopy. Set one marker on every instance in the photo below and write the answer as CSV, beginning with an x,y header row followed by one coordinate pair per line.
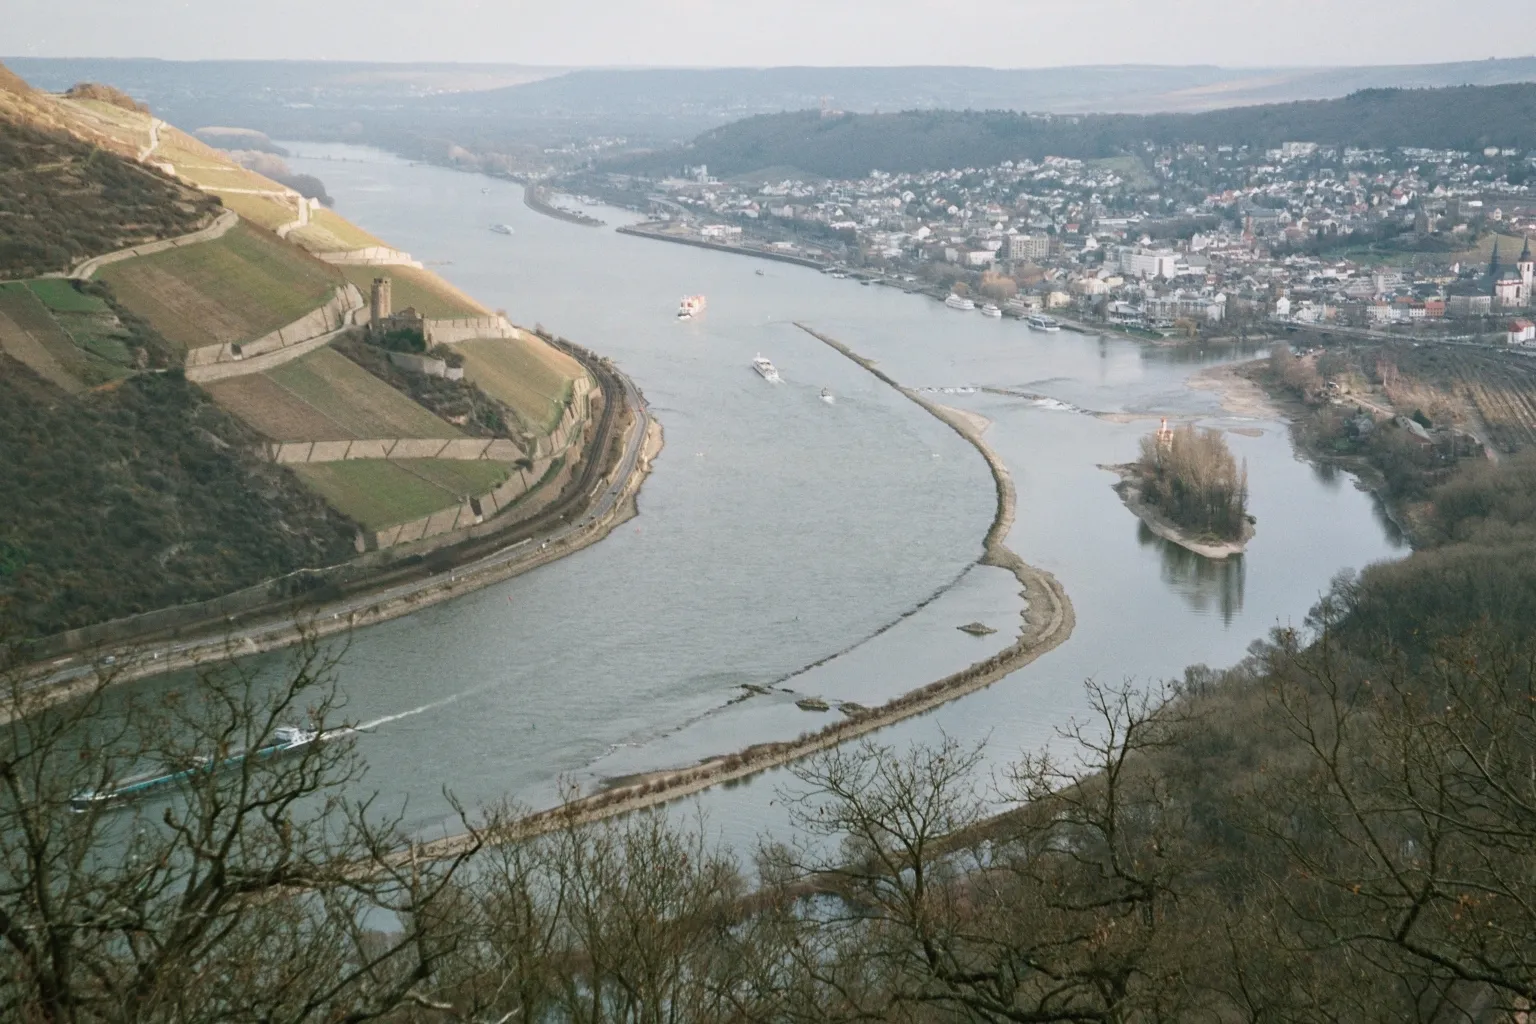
x,y
63,200
425,110
852,145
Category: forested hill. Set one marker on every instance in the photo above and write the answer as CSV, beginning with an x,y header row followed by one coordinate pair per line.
x,y
851,145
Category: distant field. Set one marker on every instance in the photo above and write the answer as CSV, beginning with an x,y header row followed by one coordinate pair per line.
x,y
379,493
61,297
128,127
328,232
324,396
233,289
47,342
530,376
429,294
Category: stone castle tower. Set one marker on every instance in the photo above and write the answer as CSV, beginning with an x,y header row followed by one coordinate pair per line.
x,y
379,304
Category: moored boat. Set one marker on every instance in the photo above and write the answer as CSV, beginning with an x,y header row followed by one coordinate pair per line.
x,y
990,310
959,302
1038,322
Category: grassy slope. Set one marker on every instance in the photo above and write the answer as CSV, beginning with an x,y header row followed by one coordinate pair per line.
x,y
328,232
379,493
233,289
429,294
530,376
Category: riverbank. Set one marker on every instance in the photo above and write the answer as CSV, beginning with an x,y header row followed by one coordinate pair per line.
x,y
621,453
536,198
1129,489
1046,622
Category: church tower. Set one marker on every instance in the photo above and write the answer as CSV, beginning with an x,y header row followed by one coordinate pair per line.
x,y
1527,269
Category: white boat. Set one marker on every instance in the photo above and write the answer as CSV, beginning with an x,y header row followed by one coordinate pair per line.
x,y
502,229
1042,323
690,307
990,310
959,302
766,369
826,396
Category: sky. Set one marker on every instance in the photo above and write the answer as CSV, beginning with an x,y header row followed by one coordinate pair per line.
x,y
716,33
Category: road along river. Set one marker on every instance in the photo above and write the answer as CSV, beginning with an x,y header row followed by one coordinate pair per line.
x,y
803,547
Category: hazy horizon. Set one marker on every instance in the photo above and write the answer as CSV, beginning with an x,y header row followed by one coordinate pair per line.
x,y
813,33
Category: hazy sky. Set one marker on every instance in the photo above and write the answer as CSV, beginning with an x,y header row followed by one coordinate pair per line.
x,y
999,33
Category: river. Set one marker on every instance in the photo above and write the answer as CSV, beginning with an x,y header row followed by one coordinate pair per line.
x,y
780,532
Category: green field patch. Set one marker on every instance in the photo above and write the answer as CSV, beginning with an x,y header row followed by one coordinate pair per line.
x,y
31,336
354,399
423,290
531,377
375,492
233,289
464,479
100,335
61,296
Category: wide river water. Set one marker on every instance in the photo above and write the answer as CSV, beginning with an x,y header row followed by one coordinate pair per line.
x,y
780,532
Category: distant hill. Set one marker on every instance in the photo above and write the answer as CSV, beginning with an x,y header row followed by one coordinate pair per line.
x,y
424,109
850,145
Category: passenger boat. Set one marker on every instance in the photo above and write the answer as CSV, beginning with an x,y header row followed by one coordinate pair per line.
x,y
286,739
766,369
959,302
990,310
690,307
1042,323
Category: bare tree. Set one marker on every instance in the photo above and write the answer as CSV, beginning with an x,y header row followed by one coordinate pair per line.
x,y
248,887
1063,910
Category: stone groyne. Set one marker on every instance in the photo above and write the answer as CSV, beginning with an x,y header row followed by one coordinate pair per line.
x,y
536,198
640,231
1048,620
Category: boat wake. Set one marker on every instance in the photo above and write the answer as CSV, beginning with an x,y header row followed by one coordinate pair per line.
x,y
370,726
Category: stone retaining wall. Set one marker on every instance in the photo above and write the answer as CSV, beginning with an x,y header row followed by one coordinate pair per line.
x,y
372,256
461,449
476,510
217,229
332,316
468,328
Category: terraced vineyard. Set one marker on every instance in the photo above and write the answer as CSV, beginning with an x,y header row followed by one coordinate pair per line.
x,y
72,340
232,289
324,396
1501,387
